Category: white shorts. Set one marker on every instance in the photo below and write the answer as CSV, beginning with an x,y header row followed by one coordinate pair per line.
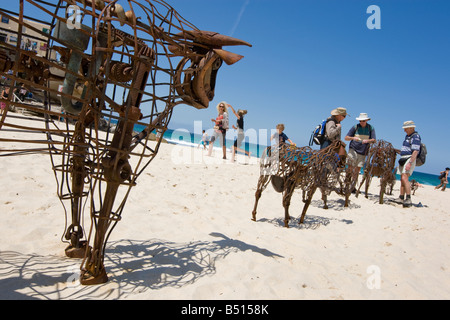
x,y
401,169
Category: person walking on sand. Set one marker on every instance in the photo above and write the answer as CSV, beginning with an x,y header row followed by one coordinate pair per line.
x,y
204,140
240,133
444,179
220,128
407,163
360,137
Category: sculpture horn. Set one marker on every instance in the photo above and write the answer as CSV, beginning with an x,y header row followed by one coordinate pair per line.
x,y
212,38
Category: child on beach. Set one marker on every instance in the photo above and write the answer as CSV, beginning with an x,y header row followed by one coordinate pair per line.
x,y
281,135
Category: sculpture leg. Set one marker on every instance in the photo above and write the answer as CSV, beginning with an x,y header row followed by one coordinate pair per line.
x,y
360,185
382,190
287,195
257,196
74,172
94,271
324,199
367,187
116,170
351,177
307,203
262,183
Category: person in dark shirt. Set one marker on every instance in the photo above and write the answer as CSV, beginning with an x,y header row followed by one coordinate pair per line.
x,y
407,163
240,133
360,137
281,135
444,179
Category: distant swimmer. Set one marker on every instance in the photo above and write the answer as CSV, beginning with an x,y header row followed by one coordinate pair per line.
x,y
444,179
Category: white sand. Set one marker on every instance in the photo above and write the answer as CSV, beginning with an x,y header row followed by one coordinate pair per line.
x,y
186,233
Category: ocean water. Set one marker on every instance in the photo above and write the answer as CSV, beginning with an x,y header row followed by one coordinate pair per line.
x,y
191,139
424,178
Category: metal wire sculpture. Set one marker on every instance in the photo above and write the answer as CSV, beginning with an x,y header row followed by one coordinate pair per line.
x,y
130,68
289,168
380,162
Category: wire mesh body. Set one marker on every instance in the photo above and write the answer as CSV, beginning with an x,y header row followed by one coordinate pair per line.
x,y
112,74
289,168
380,162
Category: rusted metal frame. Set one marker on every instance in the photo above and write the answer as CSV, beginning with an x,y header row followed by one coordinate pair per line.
x,y
52,14
45,88
33,129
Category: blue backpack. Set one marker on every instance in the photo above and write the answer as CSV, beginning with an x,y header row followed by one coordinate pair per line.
x,y
318,134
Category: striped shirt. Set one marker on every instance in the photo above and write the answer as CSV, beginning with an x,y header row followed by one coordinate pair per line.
x,y
411,144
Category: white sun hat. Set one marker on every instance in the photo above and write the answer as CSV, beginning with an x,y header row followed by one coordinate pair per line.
x,y
363,117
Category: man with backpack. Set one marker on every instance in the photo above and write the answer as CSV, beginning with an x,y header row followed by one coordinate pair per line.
x,y
333,131
360,137
407,163
333,126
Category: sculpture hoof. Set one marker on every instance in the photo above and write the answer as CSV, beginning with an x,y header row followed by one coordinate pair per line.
x,y
88,280
76,253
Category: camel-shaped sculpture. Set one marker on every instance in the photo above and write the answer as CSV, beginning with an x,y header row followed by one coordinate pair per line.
x,y
128,67
289,168
380,162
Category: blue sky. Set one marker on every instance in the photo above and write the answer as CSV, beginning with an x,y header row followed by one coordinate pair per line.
x,y
311,56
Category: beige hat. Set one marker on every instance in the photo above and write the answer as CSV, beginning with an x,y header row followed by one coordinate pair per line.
x,y
243,112
363,117
223,103
409,124
339,112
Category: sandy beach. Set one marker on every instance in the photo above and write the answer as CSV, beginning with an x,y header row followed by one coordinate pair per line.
x,y
186,233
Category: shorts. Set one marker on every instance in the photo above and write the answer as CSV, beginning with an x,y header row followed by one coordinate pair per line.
x,y
219,133
355,159
239,139
401,169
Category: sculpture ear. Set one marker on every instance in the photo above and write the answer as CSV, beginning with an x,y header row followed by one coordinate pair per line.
x,y
229,57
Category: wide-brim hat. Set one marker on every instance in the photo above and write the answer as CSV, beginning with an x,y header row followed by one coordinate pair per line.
x,y
224,104
243,112
363,117
408,124
339,112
